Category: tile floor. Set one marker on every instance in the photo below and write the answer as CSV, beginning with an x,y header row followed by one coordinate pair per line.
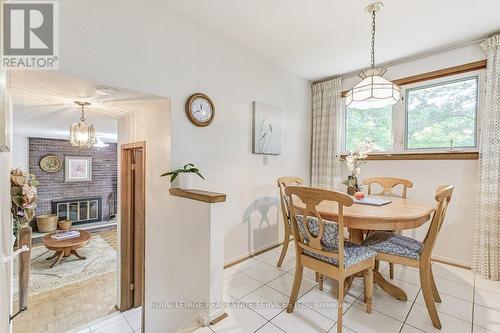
x,y
470,304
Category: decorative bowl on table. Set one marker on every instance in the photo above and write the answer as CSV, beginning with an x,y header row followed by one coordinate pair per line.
x,y
65,224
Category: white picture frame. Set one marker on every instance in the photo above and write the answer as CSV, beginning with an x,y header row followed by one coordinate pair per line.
x,y
266,129
77,169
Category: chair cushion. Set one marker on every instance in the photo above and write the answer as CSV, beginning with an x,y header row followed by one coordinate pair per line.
x,y
329,241
353,253
391,243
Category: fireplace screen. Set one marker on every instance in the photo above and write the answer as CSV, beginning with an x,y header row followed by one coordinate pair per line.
x,y
82,210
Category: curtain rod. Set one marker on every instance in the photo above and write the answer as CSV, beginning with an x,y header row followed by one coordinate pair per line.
x,y
409,58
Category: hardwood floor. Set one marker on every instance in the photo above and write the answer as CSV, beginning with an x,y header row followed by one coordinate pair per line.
x,y
73,305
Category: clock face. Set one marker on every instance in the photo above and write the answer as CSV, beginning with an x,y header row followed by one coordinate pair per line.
x,y
200,110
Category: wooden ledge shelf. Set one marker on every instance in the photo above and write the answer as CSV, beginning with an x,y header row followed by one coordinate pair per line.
x,y
452,155
198,195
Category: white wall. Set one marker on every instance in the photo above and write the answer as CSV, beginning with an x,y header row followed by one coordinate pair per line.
x,y
456,237
20,153
147,47
153,126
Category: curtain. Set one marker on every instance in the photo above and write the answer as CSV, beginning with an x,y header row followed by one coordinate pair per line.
x,y
326,106
486,259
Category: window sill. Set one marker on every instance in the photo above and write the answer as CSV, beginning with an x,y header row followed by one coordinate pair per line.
x,y
450,155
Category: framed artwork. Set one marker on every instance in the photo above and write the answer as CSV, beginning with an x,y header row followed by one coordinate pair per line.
x,y
77,169
266,129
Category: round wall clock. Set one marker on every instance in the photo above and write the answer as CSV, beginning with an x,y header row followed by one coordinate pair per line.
x,y
51,163
200,109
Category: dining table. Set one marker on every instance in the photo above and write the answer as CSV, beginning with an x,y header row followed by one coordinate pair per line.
x,y
360,219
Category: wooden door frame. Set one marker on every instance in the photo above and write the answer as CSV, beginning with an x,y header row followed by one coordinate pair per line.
x,y
126,233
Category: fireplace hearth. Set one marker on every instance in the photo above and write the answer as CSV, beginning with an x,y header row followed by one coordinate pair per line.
x,y
78,210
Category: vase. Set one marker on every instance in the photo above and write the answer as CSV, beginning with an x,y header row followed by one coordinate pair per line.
x,y
186,180
352,185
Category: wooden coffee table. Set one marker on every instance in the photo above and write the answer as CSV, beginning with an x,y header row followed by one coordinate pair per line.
x,y
67,247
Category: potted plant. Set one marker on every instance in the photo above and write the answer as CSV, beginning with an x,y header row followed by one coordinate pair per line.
x,y
354,161
185,176
24,197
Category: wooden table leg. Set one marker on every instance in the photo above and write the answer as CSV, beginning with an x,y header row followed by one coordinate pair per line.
x,y
59,257
78,255
53,256
388,287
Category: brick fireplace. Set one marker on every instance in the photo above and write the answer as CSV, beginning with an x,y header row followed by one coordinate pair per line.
x,y
53,189
78,210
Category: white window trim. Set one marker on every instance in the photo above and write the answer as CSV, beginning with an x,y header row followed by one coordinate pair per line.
x,y
399,117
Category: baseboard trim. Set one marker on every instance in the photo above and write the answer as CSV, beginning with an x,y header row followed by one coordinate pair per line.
x,y
251,255
451,262
439,259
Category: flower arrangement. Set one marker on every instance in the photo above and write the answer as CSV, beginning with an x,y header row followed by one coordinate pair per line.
x,y
24,197
354,161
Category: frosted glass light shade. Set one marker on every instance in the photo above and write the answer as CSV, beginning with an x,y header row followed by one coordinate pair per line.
x,y
82,135
373,92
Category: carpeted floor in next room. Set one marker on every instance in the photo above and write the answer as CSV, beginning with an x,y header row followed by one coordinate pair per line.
x,y
76,302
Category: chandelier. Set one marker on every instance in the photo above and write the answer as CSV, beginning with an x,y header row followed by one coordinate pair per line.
x,y
81,134
373,91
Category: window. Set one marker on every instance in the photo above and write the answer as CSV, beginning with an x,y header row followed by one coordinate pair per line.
x,y
441,115
432,116
369,125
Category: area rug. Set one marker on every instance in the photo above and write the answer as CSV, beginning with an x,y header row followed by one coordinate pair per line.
x,y
101,259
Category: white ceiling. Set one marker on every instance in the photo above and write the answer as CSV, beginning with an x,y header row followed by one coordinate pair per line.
x,y
319,38
44,105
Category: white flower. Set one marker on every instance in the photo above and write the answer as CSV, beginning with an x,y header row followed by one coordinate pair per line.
x,y
29,191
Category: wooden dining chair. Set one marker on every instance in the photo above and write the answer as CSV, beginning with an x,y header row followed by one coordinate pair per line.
x,y
388,184
283,182
406,251
320,245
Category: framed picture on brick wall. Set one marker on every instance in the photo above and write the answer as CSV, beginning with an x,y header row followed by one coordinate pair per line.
x,y
77,169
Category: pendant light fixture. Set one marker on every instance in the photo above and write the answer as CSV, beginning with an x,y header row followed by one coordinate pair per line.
x,y
373,91
81,134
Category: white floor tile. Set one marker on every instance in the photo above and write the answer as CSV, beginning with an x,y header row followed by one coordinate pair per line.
x,y
410,329
239,320
118,326
134,318
284,284
489,285
463,291
487,318
239,285
287,264
404,273
263,272
357,287
388,305
325,302
203,330
344,329
488,299
420,319
246,264
302,320
107,320
269,328
477,329
448,272
230,271
452,306
358,320
266,301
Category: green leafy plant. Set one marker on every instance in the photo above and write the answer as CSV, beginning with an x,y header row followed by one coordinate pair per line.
x,y
188,168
